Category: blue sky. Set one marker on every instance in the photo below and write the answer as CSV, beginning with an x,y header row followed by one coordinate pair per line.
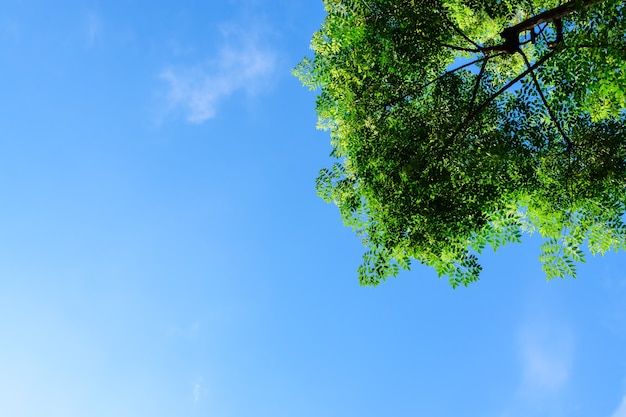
x,y
163,252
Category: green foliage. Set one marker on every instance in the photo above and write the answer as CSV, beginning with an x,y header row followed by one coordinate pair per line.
x,y
451,135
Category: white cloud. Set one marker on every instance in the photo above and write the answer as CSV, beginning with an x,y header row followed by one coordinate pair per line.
x,y
242,63
547,352
93,28
621,410
196,393
546,349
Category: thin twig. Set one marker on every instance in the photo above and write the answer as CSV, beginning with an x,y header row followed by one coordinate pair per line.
x,y
462,67
460,32
460,48
600,45
446,74
542,33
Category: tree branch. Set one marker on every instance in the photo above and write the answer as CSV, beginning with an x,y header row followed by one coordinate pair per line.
x,y
548,16
470,117
542,33
444,75
462,67
460,32
477,84
459,48
511,34
599,45
570,145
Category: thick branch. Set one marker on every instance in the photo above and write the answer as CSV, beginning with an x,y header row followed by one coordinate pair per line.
x,y
548,16
511,34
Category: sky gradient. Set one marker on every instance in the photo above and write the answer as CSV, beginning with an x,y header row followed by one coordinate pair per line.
x,y
163,252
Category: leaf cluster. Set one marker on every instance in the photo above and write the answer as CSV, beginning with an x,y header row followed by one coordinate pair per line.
x,y
444,144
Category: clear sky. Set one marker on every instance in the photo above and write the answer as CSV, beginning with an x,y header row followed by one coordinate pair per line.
x,y
163,252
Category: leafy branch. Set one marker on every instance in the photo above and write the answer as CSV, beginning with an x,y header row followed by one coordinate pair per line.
x,y
472,115
545,102
404,180
444,75
477,84
460,32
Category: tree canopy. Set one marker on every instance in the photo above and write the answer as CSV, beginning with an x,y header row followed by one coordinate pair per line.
x,y
462,124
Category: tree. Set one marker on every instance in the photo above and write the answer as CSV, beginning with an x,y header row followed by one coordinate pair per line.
x,y
462,124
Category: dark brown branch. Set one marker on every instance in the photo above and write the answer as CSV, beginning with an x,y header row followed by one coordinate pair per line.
x,y
570,145
477,84
541,33
558,26
470,118
511,34
548,16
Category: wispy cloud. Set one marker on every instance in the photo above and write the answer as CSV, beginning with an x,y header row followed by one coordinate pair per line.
x,y
196,392
621,410
93,27
242,64
546,349
547,352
